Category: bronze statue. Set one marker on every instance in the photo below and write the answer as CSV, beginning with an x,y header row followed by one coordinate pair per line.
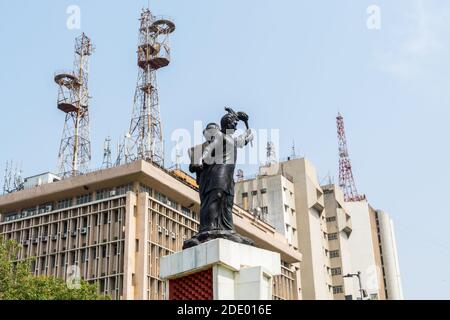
x,y
214,163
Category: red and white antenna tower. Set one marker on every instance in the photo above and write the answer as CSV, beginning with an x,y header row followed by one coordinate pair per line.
x,y
346,180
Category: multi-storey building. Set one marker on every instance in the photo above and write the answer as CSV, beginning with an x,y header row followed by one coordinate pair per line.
x,y
374,251
112,226
337,239
338,233
270,196
290,195
313,243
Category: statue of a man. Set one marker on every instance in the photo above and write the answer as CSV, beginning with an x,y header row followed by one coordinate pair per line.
x,y
214,163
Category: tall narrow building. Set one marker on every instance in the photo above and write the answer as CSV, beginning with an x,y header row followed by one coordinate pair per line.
x,y
339,231
374,251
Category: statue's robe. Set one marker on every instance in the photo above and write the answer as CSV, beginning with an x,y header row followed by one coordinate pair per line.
x,y
216,182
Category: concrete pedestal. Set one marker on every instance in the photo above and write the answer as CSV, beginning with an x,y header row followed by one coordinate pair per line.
x,y
220,270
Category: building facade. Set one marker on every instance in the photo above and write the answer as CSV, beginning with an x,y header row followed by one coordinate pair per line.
x,y
270,196
338,232
389,257
112,226
295,201
379,267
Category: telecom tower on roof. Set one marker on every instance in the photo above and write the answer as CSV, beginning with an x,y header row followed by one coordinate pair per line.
x,y
146,133
346,180
73,99
107,155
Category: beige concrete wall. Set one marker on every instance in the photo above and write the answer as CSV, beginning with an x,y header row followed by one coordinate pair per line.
x,y
390,257
363,247
309,203
142,230
129,279
334,209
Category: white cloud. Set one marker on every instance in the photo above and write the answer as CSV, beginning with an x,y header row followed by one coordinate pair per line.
x,y
424,34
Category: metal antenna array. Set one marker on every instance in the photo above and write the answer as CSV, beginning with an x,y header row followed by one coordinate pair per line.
x,y
270,154
146,134
346,180
107,158
13,178
73,99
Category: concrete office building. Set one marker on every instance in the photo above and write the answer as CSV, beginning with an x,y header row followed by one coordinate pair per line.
x,y
316,278
379,267
290,191
271,196
114,225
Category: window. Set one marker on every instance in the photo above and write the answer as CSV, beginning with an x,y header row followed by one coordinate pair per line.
x,y
161,198
332,236
334,254
263,190
331,219
172,204
123,189
245,195
264,210
338,289
84,198
144,188
186,211
65,203
102,285
336,271
103,194
115,250
254,193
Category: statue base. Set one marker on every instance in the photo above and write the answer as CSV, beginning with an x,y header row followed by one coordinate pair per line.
x,y
206,236
220,270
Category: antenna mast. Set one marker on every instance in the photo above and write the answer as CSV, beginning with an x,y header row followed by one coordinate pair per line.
x,y
270,153
146,134
73,99
13,178
346,180
107,160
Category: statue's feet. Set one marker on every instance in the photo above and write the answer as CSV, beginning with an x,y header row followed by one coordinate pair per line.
x,y
209,235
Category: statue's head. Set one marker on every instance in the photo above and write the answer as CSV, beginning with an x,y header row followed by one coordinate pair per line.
x,y
229,123
210,131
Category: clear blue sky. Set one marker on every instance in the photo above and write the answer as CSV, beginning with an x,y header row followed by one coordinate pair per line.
x,y
291,65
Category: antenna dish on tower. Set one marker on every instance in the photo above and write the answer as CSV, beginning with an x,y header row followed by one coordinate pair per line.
x,y
73,99
146,133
